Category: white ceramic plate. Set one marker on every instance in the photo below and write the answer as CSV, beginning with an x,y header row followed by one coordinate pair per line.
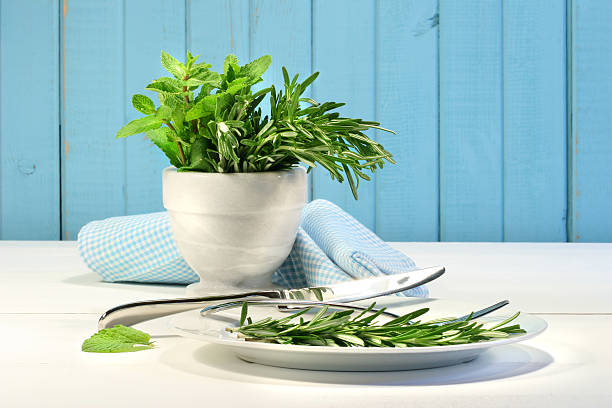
x,y
212,329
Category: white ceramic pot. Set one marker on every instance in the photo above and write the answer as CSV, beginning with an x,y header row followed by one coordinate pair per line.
x,y
234,229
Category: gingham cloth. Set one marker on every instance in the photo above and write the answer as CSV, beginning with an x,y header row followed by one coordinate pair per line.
x,y
331,247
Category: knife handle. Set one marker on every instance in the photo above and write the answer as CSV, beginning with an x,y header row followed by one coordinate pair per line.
x,y
137,312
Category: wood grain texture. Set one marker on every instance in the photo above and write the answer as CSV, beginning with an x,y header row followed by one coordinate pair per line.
x,y
407,102
470,121
29,120
590,192
502,111
216,28
282,29
351,24
534,75
151,26
93,161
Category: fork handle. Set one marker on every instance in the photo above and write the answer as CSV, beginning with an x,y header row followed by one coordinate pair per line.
x,y
479,313
287,302
137,312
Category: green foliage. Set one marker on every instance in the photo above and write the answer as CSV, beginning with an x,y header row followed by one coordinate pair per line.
x,y
117,339
339,330
143,104
212,122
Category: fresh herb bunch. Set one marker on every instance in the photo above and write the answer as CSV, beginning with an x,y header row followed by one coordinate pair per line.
x,y
339,330
212,122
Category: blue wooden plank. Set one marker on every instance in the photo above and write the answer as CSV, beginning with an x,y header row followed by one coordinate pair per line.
x,y
151,25
347,75
93,161
216,28
590,193
29,120
470,121
407,102
535,190
281,29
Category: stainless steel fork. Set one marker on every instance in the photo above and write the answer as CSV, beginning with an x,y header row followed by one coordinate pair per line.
x,y
307,303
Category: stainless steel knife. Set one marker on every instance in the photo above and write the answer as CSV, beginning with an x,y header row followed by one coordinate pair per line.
x,y
132,313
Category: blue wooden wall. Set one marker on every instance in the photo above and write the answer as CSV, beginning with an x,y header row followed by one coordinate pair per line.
x,y
503,108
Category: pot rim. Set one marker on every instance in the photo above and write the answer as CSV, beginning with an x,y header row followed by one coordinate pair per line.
x,y
294,169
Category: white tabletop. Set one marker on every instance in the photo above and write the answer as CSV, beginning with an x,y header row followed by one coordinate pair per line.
x,y
50,302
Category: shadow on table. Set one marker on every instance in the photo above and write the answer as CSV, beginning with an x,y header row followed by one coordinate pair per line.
x,y
502,362
94,280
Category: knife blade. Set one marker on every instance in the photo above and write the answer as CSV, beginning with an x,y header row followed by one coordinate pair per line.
x,y
137,312
361,289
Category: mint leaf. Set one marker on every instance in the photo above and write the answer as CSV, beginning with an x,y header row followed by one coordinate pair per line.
x,y
162,138
139,126
117,339
172,100
130,333
165,84
204,107
164,113
229,61
239,135
235,86
198,149
178,116
143,104
256,68
191,59
223,102
200,69
199,162
230,75
205,77
172,65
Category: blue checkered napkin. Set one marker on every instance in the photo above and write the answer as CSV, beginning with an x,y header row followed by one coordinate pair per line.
x,y
135,248
331,247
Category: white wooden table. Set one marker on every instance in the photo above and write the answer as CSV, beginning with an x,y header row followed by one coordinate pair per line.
x,y
50,302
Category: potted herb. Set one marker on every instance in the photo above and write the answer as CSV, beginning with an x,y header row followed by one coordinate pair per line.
x,y
235,191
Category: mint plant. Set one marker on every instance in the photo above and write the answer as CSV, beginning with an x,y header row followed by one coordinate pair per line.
x,y
212,122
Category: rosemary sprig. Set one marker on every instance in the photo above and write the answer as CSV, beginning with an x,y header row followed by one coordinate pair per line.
x,y
338,329
213,122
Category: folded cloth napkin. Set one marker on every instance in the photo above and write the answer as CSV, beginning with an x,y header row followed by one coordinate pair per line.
x,y
331,247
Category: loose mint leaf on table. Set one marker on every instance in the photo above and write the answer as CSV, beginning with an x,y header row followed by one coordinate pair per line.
x,y
117,339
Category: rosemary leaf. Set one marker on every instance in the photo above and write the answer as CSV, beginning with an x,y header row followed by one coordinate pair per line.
x,y
337,329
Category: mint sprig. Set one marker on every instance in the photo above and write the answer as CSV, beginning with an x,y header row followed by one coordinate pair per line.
x,y
213,122
117,339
